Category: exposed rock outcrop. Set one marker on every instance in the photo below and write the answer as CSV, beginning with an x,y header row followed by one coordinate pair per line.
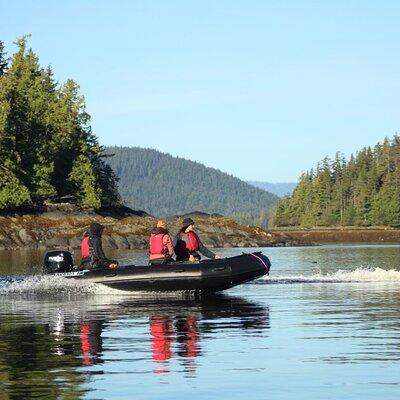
x,y
63,227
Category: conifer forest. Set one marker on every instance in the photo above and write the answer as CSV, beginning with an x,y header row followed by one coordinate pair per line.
x,y
164,185
363,190
47,148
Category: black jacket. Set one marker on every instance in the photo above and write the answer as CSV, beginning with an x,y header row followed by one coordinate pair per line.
x,y
95,244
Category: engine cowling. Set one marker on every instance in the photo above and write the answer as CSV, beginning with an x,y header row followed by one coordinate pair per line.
x,y
58,261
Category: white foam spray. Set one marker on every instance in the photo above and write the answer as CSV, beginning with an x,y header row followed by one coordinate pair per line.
x,y
360,274
48,284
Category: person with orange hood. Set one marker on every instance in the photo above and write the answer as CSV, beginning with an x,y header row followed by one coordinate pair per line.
x,y
161,248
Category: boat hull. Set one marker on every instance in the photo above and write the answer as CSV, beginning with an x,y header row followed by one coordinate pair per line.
x,y
205,276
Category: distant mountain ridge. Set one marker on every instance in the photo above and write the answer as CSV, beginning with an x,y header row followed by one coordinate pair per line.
x,y
278,188
164,185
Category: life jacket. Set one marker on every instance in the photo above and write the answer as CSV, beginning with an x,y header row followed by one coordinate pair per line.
x,y
192,243
85,250
156,244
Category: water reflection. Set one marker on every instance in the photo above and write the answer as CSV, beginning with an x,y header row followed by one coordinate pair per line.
x,y
164,332
363,317
330,339
13,262
50,349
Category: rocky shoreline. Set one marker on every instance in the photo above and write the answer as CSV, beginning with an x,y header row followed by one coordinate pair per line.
x,y
343,235
64,229
63,226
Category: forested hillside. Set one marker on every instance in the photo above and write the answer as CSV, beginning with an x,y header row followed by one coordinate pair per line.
x,y
279,188
47,147
165,185
361,191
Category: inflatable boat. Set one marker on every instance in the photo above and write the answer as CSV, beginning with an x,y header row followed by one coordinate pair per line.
x,y
204,276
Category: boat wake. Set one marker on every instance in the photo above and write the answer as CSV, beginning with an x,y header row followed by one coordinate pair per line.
x,y
54,285
359,275
47,284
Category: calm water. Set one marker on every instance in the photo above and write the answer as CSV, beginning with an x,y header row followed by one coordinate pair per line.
x,y
325,325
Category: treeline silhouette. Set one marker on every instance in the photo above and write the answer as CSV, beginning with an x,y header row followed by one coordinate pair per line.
x,y
164,185
361,191
47,148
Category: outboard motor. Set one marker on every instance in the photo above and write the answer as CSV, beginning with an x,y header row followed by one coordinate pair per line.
x,y
58,261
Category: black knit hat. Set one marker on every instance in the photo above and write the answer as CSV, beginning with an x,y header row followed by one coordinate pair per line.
x,y
96,229
187,222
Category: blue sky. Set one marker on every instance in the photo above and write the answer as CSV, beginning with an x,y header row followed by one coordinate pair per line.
x,y
259,89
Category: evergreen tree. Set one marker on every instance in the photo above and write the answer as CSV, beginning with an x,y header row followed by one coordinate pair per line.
x,y
337,206
280,213
3,59
47,147
12,191
297,212
83,181
29,97
386,208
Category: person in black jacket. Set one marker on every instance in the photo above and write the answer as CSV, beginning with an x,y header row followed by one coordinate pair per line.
x,y
188,245
97,258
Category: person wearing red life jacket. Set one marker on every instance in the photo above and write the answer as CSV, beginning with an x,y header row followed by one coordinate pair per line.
x,y
188,244
92,250
85,249
161,248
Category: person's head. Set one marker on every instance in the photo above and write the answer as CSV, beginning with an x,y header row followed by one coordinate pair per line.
x,y
96,229
187,224
161,224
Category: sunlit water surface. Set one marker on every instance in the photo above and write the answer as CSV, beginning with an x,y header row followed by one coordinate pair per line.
x,y
324,325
